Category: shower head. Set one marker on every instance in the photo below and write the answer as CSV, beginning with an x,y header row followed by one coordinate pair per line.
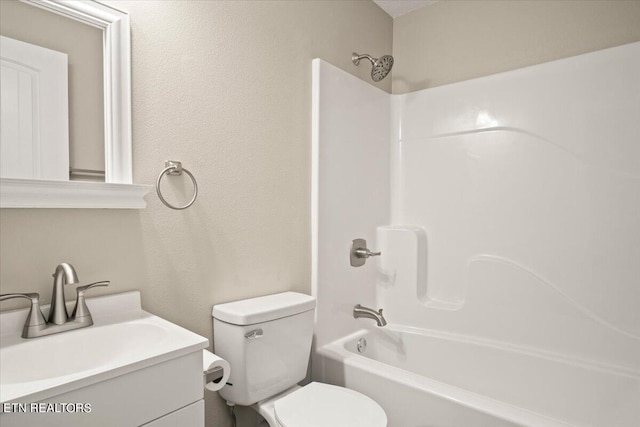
x,y
381,66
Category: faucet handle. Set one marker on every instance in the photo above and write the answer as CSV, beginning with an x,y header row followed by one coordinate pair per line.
x,y
82,289
35,318
81,309
359,253
30,296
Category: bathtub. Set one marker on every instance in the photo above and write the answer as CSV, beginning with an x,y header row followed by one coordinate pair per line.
x,y
425,379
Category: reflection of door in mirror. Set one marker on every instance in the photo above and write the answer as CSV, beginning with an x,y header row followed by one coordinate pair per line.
x,y
34,136
83,45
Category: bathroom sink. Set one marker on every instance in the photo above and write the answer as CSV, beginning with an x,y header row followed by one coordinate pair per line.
x,y
34,360
123,338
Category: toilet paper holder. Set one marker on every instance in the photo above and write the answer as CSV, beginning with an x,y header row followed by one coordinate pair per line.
x,y
215,371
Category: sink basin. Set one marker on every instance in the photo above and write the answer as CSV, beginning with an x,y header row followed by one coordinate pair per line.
x,y
123,338
34,360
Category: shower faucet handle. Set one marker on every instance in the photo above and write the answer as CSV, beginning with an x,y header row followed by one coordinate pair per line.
x,y
366,253
359,253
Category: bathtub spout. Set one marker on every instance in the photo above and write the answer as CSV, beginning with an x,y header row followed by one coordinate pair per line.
x,y
369,313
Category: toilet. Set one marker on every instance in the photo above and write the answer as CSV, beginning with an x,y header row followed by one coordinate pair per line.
x,y
267,341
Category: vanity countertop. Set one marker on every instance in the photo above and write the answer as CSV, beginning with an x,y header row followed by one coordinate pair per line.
x,y
123,339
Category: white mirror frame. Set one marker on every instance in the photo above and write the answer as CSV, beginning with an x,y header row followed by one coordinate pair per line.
x,y
117,191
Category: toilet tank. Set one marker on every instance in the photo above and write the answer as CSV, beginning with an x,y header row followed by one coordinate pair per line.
x,y
267,341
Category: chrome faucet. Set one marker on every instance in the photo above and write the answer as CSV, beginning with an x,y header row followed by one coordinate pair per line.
x,y
58,319
65,274
369,313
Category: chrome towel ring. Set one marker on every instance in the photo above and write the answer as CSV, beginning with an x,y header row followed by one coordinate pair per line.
x,y
173,168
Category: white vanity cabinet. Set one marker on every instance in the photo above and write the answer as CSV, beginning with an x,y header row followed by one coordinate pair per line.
x,y
192,415
147,371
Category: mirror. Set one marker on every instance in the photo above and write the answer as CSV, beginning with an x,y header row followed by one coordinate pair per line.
x,y
113,26
52,99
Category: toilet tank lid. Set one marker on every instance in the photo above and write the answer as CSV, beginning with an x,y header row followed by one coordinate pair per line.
x,y
263,309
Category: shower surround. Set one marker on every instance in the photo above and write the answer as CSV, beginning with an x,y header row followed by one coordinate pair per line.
x,y
507,211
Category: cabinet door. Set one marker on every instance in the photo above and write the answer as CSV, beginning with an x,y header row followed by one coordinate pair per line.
x,y
129,400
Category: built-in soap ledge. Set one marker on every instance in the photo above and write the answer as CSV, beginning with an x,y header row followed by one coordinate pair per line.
x,y
403,267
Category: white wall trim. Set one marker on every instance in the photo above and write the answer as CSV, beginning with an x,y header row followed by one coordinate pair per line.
x,y
31,193
117,78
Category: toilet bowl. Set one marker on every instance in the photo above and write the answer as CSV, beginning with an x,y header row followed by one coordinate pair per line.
x,y
321,405
267,341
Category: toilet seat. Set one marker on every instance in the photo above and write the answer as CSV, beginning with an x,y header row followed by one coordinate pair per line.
x,y
324,405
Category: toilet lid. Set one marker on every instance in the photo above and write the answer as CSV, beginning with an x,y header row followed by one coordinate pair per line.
x,y
324,405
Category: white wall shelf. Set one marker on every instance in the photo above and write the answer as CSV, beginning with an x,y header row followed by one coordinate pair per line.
x,y
29,193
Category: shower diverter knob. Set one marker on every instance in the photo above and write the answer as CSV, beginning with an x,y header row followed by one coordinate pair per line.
x,y
359,253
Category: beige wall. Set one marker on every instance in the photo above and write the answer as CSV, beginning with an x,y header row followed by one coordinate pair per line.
x,y
225,87
83,45
451,41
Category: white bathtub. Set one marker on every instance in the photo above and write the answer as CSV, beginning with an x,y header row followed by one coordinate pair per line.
x,y
433,379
